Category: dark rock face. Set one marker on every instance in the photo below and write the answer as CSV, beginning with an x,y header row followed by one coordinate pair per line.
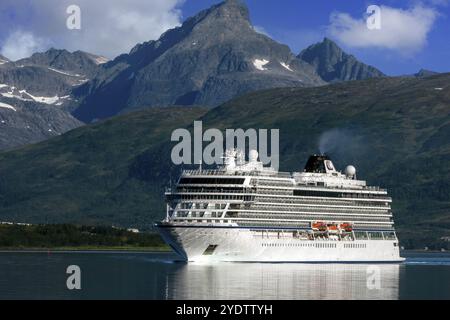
x,y
23,122
37,80
35,95
50,73
77,63
334,65
214,56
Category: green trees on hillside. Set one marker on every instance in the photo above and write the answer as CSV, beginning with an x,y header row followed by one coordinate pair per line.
x,y
65,235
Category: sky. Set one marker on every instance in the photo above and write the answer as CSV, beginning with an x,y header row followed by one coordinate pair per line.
x,y
412,34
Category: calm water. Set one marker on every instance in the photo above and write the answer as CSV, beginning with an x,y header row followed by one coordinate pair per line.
x,y
116,275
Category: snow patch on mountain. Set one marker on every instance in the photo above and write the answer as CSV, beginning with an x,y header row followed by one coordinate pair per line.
x,y
101,60
286,66
259,64
14,93
65,73
7,106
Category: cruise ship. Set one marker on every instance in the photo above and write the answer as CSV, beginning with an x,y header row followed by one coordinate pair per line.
x,y
246,212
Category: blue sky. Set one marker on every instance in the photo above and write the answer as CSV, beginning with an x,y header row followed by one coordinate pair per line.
x,y
413,34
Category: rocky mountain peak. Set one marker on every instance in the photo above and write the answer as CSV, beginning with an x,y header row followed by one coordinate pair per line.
x,y
222,20
333,64
218,21
425,73
3,59
78,62
231,11
326,51
330,45
211,58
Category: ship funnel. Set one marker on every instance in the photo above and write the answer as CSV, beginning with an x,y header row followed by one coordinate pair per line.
x,y
319,164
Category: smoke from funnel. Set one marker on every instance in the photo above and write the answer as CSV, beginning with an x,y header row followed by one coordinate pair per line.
x,y
346,146
336,140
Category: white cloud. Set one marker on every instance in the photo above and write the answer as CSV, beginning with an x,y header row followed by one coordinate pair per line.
x,y
108,27
20,44
404,31
261,30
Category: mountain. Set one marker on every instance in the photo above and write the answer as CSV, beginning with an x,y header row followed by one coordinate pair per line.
x,y
333,64
76,63
394,130
211,58
24,122
35,95
425,73
48,77
3,59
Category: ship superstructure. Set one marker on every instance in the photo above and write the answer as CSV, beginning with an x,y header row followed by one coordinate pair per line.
x,y
244,211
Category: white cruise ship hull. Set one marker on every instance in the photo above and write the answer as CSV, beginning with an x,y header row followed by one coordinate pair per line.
x,y
239,244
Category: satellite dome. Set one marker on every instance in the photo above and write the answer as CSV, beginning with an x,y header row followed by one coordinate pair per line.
x,y
350,171
253,156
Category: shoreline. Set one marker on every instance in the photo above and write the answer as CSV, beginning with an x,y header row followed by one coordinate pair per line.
x,y
423,251
88,249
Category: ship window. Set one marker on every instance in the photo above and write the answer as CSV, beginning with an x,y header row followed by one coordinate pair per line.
x,y
232,214
375,235
361,235
389,235
332,194
313,193
212,181
210,250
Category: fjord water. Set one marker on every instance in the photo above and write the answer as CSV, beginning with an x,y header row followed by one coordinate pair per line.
x,y
119,275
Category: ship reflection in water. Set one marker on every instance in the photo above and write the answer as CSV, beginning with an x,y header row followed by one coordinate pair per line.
x,y
284,281
128,275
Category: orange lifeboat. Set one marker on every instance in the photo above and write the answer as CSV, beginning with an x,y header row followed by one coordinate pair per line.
x,y
318,225
332,227
347,227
